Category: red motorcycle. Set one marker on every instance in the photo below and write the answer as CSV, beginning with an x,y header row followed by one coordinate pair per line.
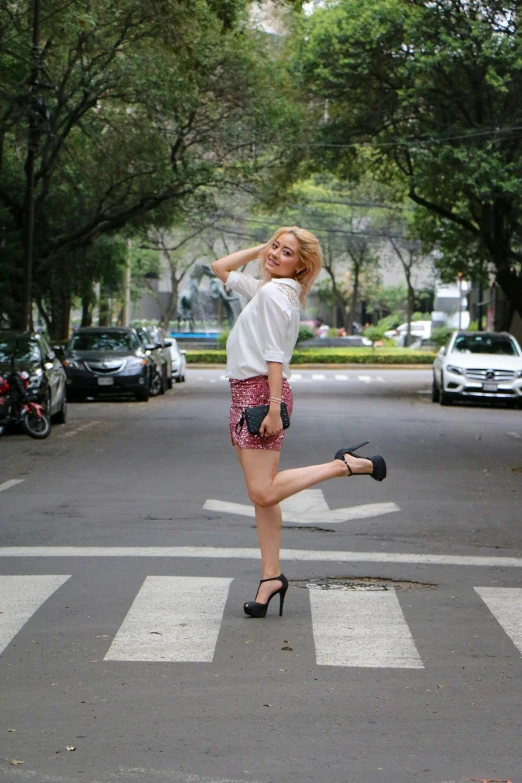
x,y
17,407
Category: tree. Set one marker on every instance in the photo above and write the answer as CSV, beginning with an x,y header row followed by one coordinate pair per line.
x,y
430,93
145,105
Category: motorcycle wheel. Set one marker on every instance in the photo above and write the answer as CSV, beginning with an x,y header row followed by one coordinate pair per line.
x,y
37,426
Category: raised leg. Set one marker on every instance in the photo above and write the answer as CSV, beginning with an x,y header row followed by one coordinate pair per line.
x,y
267,487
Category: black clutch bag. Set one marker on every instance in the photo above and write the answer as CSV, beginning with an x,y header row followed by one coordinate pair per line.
x,y
255,416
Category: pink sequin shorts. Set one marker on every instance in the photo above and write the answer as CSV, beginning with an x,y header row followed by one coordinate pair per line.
x,y
249,392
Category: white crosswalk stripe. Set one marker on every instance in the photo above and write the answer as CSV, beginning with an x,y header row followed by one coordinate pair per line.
x,y
173,618
361,629
297,377
505,604
178,619
20,597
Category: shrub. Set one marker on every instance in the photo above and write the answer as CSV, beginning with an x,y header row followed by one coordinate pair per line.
x,y
223,337
374,333
305,333
331,356
441,335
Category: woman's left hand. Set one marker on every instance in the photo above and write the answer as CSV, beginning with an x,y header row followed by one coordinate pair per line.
x,y
271,425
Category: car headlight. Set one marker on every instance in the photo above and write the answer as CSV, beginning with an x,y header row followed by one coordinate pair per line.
x,y
74,364
135,364
455,370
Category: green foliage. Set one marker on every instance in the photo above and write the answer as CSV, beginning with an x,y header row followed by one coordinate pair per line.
x,y
441,335
429,96
305,333
152,107
374,333
330,356
391,321
222,338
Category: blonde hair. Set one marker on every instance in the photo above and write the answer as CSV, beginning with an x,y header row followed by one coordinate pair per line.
x,y
310,257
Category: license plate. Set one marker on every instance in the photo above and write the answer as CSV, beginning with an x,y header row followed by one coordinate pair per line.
x,y
105,381
490,387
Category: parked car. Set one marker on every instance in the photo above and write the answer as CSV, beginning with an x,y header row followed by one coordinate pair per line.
x,y
155,345
34,355
478,365
107,360
418,330
424,344
179,361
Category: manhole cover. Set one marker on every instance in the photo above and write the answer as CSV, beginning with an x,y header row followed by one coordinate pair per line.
x,y
367,583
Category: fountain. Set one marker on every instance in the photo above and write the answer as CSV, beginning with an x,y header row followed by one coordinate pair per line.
x,y
197,305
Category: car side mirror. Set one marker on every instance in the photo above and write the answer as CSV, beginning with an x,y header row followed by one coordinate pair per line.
x,y
158,345
167,343
442,351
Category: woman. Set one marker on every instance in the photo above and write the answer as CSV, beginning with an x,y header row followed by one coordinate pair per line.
x,y
259,350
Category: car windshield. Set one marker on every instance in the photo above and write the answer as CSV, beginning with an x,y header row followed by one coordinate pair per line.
x,y
104,341
485,343
26,350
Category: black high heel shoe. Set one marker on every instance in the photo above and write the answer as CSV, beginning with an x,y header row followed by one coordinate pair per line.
x,y
255,609
379,465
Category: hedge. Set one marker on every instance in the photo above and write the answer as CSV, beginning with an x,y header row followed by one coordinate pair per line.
x,y
330,356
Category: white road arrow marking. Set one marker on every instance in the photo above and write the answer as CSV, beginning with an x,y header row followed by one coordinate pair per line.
x,y
10,483
308,508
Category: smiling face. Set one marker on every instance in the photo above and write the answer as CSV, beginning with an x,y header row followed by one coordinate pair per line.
x,y
282,256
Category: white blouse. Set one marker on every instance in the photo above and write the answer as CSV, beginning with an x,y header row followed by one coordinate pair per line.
x,y
266,329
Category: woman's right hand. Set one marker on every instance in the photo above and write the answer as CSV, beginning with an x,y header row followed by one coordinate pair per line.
x,y
271,425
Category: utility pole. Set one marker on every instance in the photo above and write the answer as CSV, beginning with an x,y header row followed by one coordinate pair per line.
x,y
32,146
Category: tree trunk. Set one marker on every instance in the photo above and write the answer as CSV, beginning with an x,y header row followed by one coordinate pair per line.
x,y
354,298
58,323
511,285
104,318
410,306
86,311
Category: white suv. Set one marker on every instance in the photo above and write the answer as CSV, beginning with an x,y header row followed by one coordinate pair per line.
x,y
478,365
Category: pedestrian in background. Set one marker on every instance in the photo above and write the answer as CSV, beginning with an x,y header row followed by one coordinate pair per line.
x,y
259,349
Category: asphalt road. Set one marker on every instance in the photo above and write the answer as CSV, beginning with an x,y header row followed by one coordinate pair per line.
x,y
127,549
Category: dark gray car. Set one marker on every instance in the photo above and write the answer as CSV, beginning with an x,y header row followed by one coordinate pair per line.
x,y
33,354
106,360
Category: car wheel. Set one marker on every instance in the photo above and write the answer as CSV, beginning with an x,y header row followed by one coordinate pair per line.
x,y
444,397
183,378
61,416
156,384
435,391
178,378
169,382
164,382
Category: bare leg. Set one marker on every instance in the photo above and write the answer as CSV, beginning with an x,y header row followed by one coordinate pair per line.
x,y
268,524
268,488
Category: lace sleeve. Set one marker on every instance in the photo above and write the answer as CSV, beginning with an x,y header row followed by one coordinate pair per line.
x,y
290,293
